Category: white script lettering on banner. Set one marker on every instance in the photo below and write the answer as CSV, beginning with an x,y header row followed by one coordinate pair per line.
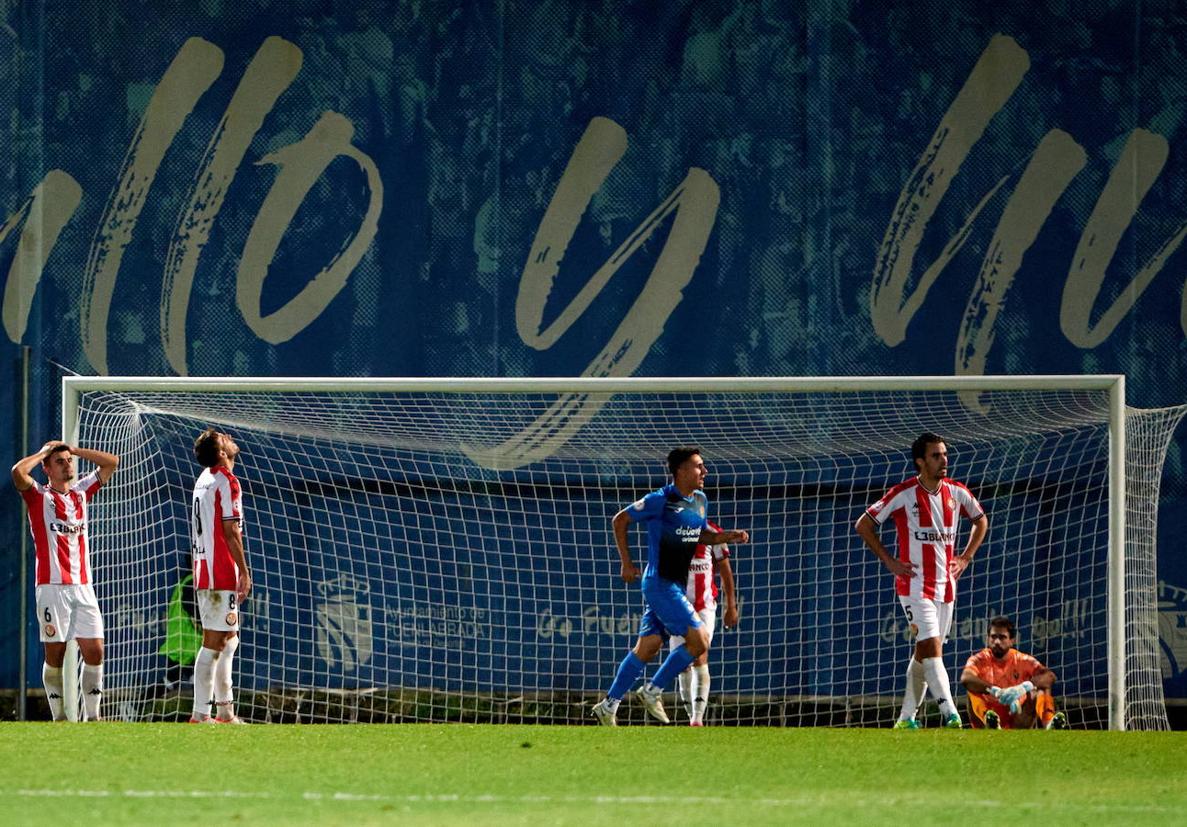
x,y
198,64
1055,162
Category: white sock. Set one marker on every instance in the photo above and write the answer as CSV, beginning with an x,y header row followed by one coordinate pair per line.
x,y
916,689
702,691
937,680
51,679
223,697
686,681
92,690
203,681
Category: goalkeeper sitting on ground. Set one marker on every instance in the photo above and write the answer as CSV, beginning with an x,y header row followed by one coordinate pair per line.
x,y
1007,688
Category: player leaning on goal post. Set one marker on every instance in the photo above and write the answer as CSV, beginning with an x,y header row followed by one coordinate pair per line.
x,y
675,516
926,509
221,578
66,604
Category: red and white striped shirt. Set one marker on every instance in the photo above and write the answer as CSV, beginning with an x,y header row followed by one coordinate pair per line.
x,y
216,498
926,523
58,523
701,590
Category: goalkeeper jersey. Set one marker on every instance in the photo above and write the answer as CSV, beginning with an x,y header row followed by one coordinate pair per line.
x,y
926,523
1011,670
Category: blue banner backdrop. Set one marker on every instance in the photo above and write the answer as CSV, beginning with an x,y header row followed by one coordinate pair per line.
x,y
613,188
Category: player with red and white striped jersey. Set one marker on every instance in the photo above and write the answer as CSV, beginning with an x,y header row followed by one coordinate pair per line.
x,y
221,577
217,498
67,608
702,586
707,561
926,511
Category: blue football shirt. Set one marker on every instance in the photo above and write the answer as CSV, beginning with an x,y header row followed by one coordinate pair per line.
x,y
674,523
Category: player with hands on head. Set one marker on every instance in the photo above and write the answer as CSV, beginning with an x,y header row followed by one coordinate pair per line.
x,y
1009,689
67,608
926,511
221,577
675,519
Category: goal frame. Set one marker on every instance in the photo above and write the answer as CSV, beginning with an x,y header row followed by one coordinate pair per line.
x,y
73,387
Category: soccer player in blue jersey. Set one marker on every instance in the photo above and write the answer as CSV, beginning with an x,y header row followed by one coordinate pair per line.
x,y
675,517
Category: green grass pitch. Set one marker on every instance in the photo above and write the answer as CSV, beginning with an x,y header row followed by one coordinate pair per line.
x,y
113,773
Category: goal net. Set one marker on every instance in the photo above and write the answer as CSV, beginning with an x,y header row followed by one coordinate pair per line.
x,y
440,550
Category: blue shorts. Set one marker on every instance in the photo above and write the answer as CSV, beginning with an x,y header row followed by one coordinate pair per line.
x,y
668,611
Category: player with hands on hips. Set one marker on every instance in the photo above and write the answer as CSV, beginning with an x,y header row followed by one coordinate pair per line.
x,y
926,511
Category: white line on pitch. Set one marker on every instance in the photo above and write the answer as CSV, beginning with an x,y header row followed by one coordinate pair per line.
x,y
449,798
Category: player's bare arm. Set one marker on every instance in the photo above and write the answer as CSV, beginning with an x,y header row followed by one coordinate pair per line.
x,y
961,561
715,538
866,529
233,534
106,463
1043,679
21,471
731,616
972,682
621,523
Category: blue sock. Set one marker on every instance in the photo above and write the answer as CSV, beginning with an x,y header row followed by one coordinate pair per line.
x,y
628,672
676,662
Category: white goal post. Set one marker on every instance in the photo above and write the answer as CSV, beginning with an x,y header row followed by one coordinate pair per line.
x,y
443,615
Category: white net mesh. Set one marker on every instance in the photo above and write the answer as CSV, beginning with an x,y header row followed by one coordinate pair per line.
x,y
416,557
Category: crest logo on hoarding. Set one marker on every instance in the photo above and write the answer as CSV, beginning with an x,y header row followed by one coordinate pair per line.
x,y
344,623
1172,630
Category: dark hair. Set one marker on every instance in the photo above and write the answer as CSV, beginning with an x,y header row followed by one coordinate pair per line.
x,y
206,448
58,448
1003,622
678,456
919,446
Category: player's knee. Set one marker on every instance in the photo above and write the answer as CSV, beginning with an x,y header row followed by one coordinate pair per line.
x,y
92,653
214,640
695,642
55,657
928,648
648,647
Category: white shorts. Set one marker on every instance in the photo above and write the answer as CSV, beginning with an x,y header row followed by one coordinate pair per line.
x,y
68,612
927,618
218,609
709,618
